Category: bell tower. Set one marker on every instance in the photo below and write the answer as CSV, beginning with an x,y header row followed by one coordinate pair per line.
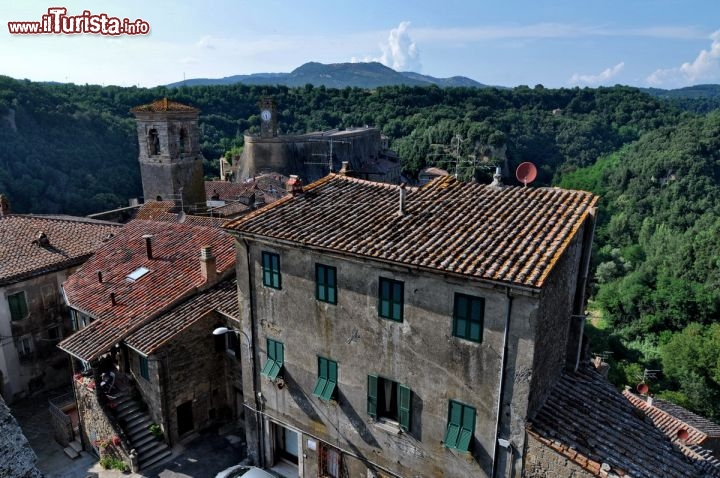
x,y
171,164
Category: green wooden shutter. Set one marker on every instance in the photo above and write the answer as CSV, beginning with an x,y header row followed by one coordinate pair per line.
x,y
322,380
453,428
18,306
372,395
404,407
331,285
467,430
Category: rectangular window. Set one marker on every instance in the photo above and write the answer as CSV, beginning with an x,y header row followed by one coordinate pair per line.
x,y
327,379
468,315
54,332
144,367
74,324
271,270
18,305
389,400
326,283
461,426
276,358
25,348
390,299
233,343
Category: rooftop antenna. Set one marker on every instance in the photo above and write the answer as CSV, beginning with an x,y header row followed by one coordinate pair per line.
x,y
329,155
526,173
461,163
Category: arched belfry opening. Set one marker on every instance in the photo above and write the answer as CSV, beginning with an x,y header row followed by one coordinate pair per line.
x,y
153,142
183,141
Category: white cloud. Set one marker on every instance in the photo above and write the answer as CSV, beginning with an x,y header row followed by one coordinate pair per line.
x,y
399,52
598,79
207,42
705,68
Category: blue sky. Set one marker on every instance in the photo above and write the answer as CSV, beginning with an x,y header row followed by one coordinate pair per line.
x,y
661,43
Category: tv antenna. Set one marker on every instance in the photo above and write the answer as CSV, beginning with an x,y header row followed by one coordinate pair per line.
x,y
526,173
461,163
329,155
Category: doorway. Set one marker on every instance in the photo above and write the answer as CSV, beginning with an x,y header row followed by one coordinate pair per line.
x,y
185,418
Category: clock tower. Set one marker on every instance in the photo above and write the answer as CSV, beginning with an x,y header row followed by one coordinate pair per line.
x,y
268,118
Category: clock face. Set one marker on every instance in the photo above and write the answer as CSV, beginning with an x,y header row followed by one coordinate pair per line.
x,y
265,115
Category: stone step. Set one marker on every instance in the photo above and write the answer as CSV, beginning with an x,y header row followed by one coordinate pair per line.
x,y
70,452
127,407
140,424
76,445
134,418
142,440
154,456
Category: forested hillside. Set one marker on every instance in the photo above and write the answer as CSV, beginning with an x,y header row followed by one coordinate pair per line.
x,y
658,260
656,162
73,149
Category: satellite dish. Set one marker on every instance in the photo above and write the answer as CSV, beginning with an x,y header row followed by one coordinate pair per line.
x,y
526,173
682,434
643,388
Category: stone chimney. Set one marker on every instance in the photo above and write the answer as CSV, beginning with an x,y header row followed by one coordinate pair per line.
x,y
207,265
4,206
294,185
401,210
497,178
345,169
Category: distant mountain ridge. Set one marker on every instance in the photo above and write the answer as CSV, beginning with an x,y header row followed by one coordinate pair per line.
x,y
337,75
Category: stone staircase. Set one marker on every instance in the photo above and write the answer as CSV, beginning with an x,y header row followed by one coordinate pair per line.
x,y
74,449
135,421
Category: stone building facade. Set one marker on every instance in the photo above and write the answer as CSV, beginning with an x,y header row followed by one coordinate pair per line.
x,y
427,310
38,253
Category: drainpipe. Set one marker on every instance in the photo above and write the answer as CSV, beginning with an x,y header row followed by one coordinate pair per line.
x,y
253,331
501,387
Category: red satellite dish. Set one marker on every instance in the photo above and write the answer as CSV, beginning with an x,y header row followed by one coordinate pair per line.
x,y
526,173
683,435
643,388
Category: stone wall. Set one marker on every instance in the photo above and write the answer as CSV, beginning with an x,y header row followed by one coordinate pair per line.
x,y
196,373
96,428
543,462
293,154
18,459
419,352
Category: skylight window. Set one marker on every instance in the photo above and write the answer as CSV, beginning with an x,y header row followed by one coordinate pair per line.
x,y
137,273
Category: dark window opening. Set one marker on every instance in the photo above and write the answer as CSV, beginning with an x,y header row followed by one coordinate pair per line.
x,y
153,142
389,400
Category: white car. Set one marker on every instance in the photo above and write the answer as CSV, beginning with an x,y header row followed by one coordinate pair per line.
x,y
244,471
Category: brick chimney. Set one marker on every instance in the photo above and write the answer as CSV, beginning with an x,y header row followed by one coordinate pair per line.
x,y
294,185
207,265
4,206
148,245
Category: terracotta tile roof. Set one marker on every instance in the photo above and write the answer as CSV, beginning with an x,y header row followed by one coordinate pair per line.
x,y
228,191
174,276
586,420
156,333
231,209
162,106
671,419
669,423
509,234
161,211
71,240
